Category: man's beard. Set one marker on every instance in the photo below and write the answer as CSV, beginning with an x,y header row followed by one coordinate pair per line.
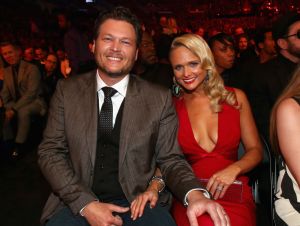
x,y
115,74
294,51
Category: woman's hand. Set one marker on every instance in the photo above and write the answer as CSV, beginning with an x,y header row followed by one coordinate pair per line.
x,y
218,184
138,205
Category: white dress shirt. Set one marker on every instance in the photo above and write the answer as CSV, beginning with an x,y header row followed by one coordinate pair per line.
x,y
117,98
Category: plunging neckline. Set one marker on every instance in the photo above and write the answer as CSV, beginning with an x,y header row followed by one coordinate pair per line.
x,y
192,132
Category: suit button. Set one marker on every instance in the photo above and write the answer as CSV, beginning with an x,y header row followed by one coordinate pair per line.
x,y
101,166
101,155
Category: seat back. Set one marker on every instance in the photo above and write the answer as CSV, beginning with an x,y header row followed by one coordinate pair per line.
x,y
263,180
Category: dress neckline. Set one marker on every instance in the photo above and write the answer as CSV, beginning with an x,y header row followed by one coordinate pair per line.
x,y
192,132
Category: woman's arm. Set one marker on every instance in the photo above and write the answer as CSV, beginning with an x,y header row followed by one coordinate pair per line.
x,y
249,136
288,131
220,181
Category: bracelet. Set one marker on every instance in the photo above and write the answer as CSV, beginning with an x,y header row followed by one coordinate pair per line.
x,y
204,192
160,181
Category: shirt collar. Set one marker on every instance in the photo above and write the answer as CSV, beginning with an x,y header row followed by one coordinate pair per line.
x,y
121,86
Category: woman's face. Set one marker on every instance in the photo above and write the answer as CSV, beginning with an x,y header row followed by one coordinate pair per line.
x,y
187,68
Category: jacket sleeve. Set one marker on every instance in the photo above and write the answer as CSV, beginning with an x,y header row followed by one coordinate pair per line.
x,y
175,169
54,158
33,80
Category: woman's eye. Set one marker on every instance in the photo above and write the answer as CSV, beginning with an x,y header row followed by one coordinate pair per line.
x,y
178,67
194,64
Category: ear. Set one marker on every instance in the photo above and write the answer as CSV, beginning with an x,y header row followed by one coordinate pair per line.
x,y
93,47
282,43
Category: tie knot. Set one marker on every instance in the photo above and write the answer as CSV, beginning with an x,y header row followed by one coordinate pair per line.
x,y
108,91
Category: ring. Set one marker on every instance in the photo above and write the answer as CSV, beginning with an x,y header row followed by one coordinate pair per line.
x,y
219,188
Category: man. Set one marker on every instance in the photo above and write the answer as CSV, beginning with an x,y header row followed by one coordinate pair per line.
x,y
246,78
41,54
265,45
20,94
50,76
273,76
76,45
147,65
222,47
95,172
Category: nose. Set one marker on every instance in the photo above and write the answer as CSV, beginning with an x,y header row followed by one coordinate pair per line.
x,y
115,45
186,72
231,53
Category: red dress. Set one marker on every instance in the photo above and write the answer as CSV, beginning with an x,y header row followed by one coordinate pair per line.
x,y
205,164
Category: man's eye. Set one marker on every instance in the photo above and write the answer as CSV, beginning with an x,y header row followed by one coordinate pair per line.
x,y
107,38
126,42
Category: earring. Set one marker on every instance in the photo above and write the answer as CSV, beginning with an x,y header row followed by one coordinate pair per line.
x,y
176,89
208,75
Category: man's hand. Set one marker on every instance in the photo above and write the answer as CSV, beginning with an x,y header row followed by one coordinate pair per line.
x,y
9,114
199,205
101,214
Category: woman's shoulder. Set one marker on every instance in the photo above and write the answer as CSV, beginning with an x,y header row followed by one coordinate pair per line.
x,y
288,106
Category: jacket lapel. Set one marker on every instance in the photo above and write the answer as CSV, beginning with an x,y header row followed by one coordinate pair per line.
x,y
129,114
21,72
91,113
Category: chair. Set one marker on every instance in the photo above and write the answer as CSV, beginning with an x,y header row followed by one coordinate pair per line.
x,y
263,182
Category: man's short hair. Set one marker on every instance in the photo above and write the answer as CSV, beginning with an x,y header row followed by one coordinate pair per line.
x,y
260,35
8,42
281,26
119,13
222,38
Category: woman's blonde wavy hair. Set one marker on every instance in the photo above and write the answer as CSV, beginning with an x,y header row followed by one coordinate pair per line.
x,y
214,85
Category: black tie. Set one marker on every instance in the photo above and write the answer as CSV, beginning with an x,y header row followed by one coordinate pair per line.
x,y
106,113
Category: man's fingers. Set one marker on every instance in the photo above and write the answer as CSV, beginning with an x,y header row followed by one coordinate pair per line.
x,y
222,215
117,220
118,209
192,219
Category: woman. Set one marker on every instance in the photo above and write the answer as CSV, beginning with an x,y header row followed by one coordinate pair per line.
x,y
284,136
212,121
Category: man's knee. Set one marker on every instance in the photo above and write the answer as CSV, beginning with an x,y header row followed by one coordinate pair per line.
x,y
66,218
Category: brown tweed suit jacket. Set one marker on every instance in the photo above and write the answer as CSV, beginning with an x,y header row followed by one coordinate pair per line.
x,y
148,139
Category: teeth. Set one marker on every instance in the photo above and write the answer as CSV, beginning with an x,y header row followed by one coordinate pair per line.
x,y
188,80
114,58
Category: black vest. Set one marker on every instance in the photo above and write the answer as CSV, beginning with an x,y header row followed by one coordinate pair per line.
x,y
106,178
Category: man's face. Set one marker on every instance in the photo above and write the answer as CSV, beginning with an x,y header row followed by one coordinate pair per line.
x,y
62,21
293,41
28,54
238,31
243,43
115,48
10,54
224,55
147,53
40,54
50,63
269,44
